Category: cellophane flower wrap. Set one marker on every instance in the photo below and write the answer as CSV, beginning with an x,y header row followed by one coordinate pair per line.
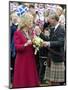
x,y
37,43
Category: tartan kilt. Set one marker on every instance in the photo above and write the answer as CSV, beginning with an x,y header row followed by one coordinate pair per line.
x,y
55,73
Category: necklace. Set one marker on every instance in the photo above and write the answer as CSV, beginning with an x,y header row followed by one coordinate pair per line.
x,y
25,33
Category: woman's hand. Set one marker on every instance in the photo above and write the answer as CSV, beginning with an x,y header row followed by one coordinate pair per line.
x,y
28,43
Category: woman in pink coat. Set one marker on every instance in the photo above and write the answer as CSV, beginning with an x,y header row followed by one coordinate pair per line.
x,y
25,72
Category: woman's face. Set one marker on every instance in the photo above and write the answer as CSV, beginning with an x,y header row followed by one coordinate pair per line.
x,y
59,12
32,10
30,23
37,30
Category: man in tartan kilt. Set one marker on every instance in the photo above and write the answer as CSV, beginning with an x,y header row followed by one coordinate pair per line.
x,y
55,72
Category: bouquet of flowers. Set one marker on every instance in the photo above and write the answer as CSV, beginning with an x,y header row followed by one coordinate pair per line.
x,y
37,43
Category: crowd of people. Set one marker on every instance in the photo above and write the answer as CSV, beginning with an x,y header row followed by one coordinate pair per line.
x,y
46,66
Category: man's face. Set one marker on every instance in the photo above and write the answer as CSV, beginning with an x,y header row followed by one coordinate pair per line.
x,y
51,21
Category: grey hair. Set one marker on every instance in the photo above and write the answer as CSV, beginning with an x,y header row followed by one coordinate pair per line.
x,y
54,16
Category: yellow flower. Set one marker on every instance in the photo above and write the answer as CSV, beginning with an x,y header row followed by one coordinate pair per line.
x,y
37,41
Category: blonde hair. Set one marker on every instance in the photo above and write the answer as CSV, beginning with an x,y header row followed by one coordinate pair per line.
x,y
59,10
14,16
25,20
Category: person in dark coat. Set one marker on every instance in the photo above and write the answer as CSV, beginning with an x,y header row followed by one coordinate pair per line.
x,y
55,46
13,28
42,54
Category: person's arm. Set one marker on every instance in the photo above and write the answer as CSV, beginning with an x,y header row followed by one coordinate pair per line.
x,y
57,43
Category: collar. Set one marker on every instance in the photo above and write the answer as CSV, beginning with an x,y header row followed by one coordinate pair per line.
x,y
56,26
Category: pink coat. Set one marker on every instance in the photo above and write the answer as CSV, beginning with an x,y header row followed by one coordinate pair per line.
x,y
25,71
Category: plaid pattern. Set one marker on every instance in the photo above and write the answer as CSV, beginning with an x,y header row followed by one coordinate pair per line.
x,y
55,73
47,73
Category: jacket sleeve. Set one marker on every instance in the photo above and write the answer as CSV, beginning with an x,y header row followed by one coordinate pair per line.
x,y
60,40
17,41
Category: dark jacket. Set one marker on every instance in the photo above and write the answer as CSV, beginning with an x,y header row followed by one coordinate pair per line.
x,y
43,50
12,47
57,44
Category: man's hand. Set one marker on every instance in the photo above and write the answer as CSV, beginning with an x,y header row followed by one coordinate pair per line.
x,y
46,43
